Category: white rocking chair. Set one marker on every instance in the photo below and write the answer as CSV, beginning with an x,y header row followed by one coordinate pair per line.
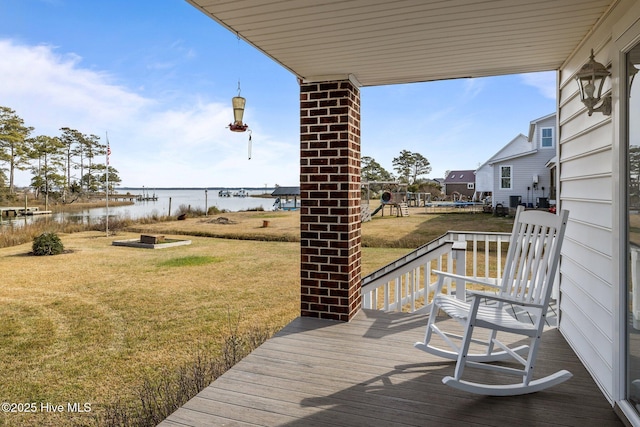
x,y
530,269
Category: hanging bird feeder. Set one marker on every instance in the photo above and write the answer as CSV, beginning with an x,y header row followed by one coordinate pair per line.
x,y
238,103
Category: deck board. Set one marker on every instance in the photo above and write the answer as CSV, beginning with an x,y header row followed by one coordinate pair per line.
x,y
367,373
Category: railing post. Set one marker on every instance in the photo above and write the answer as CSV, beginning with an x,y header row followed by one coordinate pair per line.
x,y
459,254
366,300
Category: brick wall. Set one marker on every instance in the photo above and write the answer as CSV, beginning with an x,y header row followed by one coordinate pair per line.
x,y
330,199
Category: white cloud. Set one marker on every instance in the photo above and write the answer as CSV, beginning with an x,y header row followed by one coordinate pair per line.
x,y
473,88
544,82
153,144
50,91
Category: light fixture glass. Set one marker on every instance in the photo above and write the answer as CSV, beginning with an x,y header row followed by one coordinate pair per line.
x,y
591,79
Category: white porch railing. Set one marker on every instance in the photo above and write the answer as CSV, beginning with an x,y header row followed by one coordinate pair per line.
x,y
406,284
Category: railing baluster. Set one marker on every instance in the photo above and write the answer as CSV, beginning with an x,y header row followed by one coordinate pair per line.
x,y
475,256
487,255
413,290
386,296
499,261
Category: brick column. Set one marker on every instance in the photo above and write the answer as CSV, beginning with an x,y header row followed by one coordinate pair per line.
x,y
330,199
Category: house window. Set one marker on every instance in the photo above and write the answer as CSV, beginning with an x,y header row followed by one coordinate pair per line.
x,y
546,138
470,185
505,177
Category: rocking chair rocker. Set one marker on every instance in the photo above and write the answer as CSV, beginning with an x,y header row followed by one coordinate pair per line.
x,y
530,269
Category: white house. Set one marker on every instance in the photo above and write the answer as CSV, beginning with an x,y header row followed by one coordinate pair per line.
x,y
519,172
335,48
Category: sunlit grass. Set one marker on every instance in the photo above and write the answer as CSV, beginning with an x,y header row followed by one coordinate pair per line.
x,y
388,231
91,324
189,261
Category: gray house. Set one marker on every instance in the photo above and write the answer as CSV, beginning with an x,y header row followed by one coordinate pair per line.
x,y
522,171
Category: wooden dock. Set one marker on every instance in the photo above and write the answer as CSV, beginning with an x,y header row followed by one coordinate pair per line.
x,y
124,197
367,373
9,212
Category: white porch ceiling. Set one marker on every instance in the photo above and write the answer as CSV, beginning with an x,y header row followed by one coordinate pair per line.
x,y
400,41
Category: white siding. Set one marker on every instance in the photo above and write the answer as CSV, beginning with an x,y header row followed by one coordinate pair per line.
x,y
527,159
523,170
589,176
484,178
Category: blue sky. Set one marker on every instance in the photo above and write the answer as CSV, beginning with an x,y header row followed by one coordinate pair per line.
x,y
158,77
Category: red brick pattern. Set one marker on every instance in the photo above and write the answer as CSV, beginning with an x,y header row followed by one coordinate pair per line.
x,y
330,199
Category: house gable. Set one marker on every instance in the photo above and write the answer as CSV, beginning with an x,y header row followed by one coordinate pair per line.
x,y
542,132
516,147
527,163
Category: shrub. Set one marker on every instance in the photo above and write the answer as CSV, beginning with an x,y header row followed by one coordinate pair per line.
x,y
190,211
214,210
47,244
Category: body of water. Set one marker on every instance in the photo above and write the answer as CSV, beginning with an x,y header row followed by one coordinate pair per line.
x,y
196,198
167,199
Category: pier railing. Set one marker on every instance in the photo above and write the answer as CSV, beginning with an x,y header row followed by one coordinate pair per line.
x,y
407,283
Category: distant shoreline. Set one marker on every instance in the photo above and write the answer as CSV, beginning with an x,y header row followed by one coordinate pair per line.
x,y
196,188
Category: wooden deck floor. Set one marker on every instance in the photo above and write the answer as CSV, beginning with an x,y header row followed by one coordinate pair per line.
x,y
367,373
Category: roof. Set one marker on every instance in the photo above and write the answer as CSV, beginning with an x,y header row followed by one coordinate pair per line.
x,y
517,147
460,177
380,42
286,191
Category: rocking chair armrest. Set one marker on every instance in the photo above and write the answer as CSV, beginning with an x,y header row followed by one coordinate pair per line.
x,y
500,298
476,280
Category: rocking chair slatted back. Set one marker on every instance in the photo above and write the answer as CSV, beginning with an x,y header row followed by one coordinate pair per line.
x,y
530,267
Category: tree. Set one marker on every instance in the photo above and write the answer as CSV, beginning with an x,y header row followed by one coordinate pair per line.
x,y
71,140
114,179
48,173
88,149
410,166
373,171
13,143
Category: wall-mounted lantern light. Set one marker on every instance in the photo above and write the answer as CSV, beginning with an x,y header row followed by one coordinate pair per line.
x,y
591,79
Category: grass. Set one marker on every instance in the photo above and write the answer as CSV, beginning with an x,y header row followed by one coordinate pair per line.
x,y
91,336
12,235
96,324
188,261
388,231
420,228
